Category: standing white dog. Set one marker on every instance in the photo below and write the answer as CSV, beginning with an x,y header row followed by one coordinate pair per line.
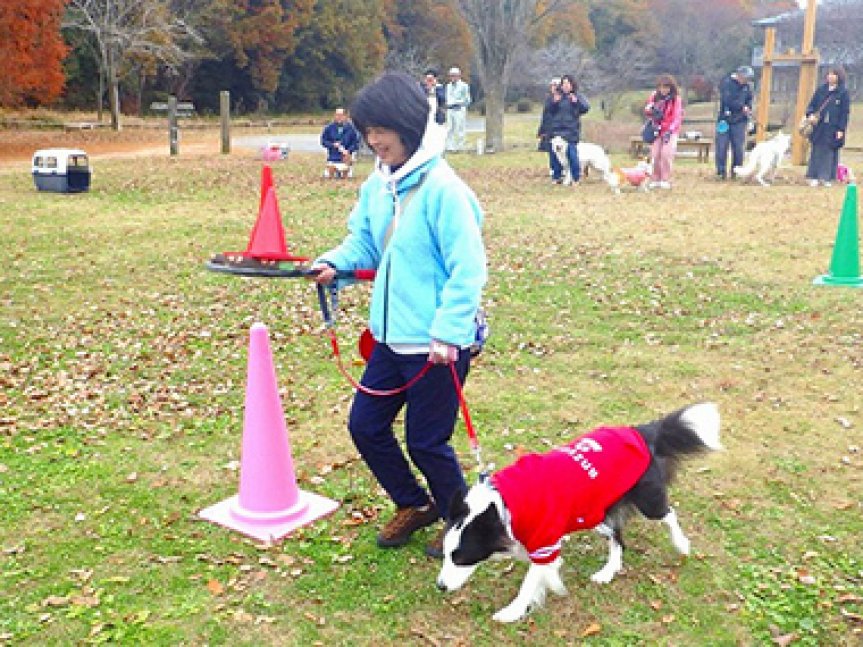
x,y
765,158
590,155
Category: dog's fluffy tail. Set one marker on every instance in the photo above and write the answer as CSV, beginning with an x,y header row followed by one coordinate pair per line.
x,y
691,430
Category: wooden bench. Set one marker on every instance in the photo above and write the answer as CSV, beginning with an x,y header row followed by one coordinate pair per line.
x,y
702,146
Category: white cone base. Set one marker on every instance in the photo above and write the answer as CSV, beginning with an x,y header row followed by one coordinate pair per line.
x,y
271,526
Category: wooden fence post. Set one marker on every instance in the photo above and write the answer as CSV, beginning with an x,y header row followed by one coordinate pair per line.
x,y
173,128
225,113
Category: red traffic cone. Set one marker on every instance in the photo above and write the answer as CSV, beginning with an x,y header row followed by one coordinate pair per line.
x,y
266,184
269,504
267,240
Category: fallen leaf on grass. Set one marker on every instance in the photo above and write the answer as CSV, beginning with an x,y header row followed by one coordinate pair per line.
x,y
591,630
215,587
88,601
55,601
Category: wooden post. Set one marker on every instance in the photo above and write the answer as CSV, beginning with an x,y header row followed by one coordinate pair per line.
x,y
762,114
173,127
806,84
225,113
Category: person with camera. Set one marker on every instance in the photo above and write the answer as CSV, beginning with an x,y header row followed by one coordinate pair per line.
x,y
735,107
565,107
664,108
827,113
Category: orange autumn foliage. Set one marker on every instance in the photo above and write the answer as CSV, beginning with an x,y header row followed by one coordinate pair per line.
x,y
32,51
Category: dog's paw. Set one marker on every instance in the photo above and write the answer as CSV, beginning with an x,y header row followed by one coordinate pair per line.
x,y
604,575
511,613
682,544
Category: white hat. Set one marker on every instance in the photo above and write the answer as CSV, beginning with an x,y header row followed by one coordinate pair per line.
x,y
454,70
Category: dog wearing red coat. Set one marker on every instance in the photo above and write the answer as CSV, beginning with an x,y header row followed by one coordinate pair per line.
x,y
636,176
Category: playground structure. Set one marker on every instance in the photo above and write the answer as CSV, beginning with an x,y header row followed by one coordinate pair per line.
x,y
808,58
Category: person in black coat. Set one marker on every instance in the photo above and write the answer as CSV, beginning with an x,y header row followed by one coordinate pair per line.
x,y
828,111
565,107
545,120
735,106
436,91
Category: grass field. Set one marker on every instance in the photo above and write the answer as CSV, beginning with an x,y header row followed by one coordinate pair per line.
x,y
122,365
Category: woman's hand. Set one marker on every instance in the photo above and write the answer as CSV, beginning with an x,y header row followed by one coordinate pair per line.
x,y
322,273
442,353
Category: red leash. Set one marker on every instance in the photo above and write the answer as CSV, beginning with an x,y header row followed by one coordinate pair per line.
x,y
364,389
334,343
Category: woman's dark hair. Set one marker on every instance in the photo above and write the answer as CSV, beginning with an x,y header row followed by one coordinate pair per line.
x,y
667,79
572,81
839,71
394,100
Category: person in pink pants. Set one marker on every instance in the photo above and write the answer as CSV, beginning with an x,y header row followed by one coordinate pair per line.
x,y
665,108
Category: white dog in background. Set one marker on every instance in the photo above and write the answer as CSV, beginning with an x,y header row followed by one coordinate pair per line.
x,y
765,158
589,155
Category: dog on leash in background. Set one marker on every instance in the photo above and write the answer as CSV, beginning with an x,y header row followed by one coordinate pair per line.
x,y
765,158
589,156
597,481
636,176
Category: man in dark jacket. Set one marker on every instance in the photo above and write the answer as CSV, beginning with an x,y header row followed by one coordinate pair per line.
x,y
436,91
342,141
735,107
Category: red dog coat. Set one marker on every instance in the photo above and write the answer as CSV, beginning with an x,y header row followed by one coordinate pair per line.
x,y
570,488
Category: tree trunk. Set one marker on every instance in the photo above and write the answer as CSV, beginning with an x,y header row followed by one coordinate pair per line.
x,y
494,108
113,93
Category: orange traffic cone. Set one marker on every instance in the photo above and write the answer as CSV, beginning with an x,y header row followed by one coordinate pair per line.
x,y
267,240
269,504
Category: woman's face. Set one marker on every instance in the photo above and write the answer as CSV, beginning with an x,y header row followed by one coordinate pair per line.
x,y
387,145
566,85
664,89
832,78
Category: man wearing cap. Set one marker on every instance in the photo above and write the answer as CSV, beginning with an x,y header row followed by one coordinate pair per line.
x,y
457,102
735,107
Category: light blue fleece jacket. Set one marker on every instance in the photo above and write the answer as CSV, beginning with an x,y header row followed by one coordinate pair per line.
x,y
431,273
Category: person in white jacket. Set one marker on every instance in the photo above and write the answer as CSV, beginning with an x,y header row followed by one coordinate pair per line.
x,y
457,103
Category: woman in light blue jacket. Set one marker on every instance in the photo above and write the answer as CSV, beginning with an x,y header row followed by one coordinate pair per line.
x,y
418,224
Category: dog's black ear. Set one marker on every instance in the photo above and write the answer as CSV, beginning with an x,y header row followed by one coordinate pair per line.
x,y
457,507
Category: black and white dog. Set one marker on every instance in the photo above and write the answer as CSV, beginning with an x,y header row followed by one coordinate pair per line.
x,y
597,481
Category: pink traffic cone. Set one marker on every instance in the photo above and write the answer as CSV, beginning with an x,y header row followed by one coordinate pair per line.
x,y
269,504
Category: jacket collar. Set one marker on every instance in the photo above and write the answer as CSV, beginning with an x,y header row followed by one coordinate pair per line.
x,y
421,161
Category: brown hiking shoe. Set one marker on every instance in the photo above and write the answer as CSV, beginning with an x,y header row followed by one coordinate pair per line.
x,y
434,548
405,523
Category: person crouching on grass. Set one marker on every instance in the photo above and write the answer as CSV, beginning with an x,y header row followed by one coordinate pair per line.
x,y
418,224
665,108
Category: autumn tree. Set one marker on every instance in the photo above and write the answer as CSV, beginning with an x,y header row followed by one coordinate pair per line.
x,y
702,38
334,56
500,32
424,34
123,30
32,51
